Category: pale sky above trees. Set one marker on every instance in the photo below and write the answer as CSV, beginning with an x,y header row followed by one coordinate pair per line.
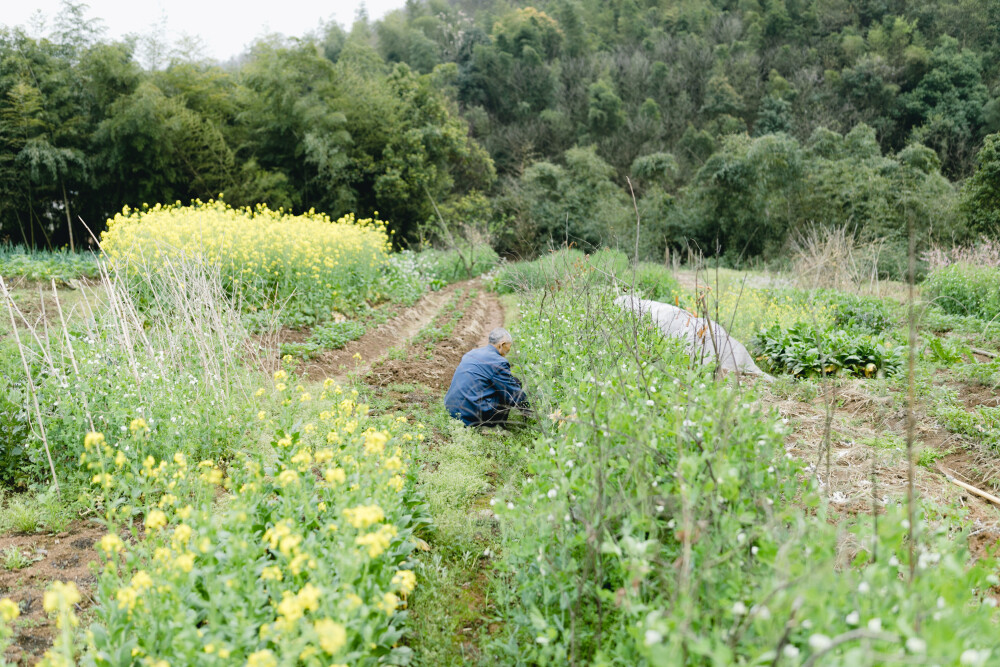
x,y
224,28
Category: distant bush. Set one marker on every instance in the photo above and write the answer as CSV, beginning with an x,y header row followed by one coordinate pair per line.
x,y
864,314
656,282
544,272
406,277
964,289
984,252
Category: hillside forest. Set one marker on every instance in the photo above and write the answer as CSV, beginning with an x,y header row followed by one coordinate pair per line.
x,y
736,125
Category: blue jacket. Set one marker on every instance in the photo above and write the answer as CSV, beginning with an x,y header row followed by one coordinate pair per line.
x,y
483,388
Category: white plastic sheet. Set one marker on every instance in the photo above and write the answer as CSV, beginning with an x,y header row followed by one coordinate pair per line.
x,y
707,340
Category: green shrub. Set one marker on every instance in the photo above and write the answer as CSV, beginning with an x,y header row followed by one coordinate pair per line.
x,y
807,351
407,277
963,289
656,282
544,272
864,314
945,351
14,421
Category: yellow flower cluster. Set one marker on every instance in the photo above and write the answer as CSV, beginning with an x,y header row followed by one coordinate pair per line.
x,y
377,541
406,580
9,610
364,516
60,599
266,256
130,595
264,539
744,310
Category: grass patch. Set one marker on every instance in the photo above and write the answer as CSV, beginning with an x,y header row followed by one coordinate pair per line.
x,y
459,470
15,559
929,456
44,265
886,441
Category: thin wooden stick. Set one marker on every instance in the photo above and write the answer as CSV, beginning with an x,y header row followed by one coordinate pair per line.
x,y
31,383
968,487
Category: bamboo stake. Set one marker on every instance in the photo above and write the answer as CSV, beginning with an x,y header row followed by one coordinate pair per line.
x,y
31,383
968,487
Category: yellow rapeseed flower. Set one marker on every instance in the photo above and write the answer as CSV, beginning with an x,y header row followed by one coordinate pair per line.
x,y
363,516
93,440
263,658
388,603
376,542
111,544
9,610
375,442
288,478
184,562
332,635
406,580
60,596
309,597
182,534
155,520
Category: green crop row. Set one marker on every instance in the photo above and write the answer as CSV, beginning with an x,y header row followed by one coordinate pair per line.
x,y
661,522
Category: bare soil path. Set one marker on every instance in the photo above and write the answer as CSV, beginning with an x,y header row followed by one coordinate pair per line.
x,y
65,556
481,315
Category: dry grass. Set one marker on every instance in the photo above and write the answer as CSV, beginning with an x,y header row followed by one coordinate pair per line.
x,y
834,258
986,252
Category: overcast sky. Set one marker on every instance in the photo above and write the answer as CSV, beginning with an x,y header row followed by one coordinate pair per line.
x,y
225,27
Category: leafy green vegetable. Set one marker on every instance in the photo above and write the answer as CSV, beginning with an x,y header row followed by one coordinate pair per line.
x,y
805,351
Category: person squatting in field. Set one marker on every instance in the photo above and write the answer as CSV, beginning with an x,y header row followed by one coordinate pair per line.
x,y
483,391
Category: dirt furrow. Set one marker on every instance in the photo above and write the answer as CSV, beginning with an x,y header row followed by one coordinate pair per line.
x,y
374,344
482,314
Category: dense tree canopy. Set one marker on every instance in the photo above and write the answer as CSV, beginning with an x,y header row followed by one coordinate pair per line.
x,y
85,130
736,122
